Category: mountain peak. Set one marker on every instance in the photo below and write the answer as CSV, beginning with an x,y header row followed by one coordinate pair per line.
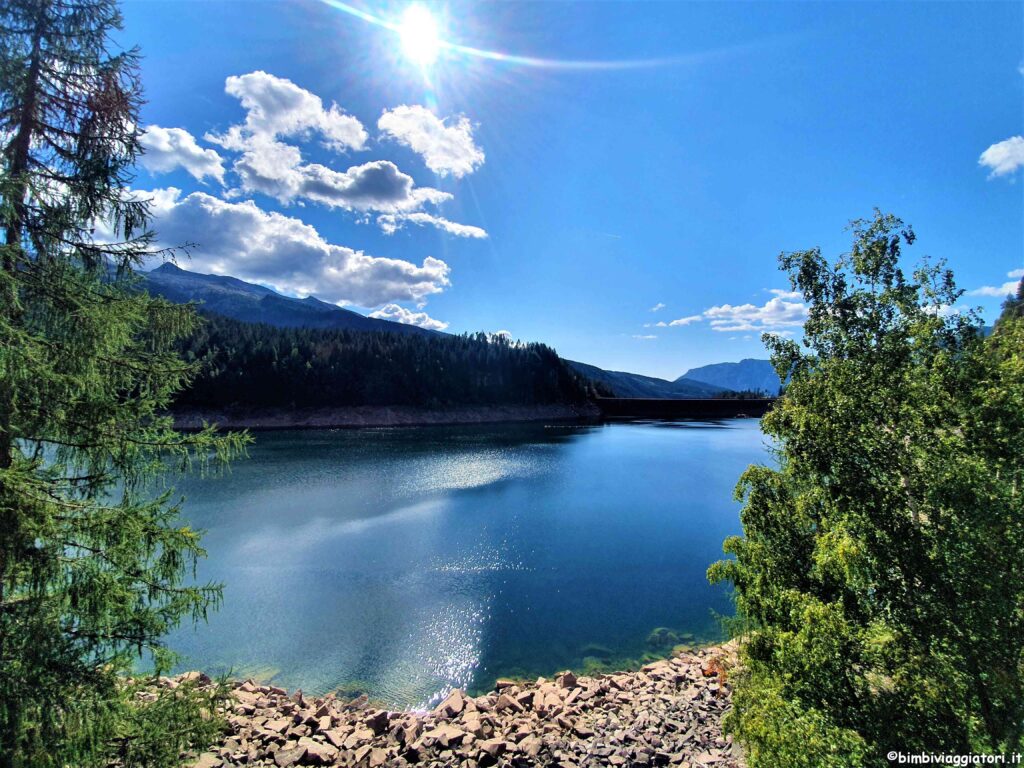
x,y
251,303
749,374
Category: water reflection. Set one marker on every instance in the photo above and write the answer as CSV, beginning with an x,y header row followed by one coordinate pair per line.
x,y
404,562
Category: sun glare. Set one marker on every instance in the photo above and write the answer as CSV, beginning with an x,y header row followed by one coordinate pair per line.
x,y
421,41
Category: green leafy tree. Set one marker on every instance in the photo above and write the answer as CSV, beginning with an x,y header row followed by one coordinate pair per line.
x,y
880,573
94,564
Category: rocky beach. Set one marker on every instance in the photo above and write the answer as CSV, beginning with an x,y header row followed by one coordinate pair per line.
x,y
668,713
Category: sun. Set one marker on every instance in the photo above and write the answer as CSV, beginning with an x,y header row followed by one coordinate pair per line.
x,y
421,41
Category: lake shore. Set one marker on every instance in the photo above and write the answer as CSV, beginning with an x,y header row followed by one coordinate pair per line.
x,y
378,416
669,713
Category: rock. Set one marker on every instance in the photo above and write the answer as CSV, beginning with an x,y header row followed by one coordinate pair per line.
x,y
377,722
451,706
493,747
567,680
445,735
317,753
285,758
530,746
362,753
359,702
336,736
278,725
474,725
507,702
667,714
359,736
583,731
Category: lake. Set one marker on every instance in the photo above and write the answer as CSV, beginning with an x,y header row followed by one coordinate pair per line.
x,y
403,562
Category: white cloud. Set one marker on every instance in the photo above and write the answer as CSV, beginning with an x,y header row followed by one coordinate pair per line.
x,y
784,294
392,222
399,314
446,146
277,107
240,239
776,314
687,320
644,337
657,307
275,169
1004,157
945,310
373,186
170,148
1000,291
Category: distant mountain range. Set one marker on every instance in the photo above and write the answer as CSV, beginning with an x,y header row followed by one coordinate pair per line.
x,y
625,384
250,303
746,375
239,300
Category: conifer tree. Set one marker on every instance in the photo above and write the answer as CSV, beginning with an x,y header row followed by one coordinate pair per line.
x,y
94,564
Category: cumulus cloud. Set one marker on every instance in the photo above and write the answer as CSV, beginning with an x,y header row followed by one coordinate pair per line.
x,y
399,314
657,307
784,294
687,320
392,222
276,107
275,169
240,239
374,186
446,146
644,336
1003,158
774,315
999,291
171,148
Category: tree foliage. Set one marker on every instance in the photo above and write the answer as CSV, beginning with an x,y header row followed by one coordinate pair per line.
x,y
255,365
93,561
880,572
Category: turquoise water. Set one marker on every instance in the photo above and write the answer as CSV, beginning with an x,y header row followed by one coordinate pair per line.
x,y
406,561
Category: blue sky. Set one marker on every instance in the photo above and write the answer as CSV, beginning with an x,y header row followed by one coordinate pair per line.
x,y
298,145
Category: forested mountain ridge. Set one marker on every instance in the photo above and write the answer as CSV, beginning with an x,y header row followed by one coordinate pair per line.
x,y
262,366
251,303
223,296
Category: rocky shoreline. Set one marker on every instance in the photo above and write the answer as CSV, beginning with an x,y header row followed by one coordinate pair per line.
x,y
669,713
379,416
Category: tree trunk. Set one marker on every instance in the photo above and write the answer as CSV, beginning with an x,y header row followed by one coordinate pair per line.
x,y
20,148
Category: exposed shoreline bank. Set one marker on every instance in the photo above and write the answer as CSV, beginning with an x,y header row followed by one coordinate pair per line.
x,y
668,713
355,417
